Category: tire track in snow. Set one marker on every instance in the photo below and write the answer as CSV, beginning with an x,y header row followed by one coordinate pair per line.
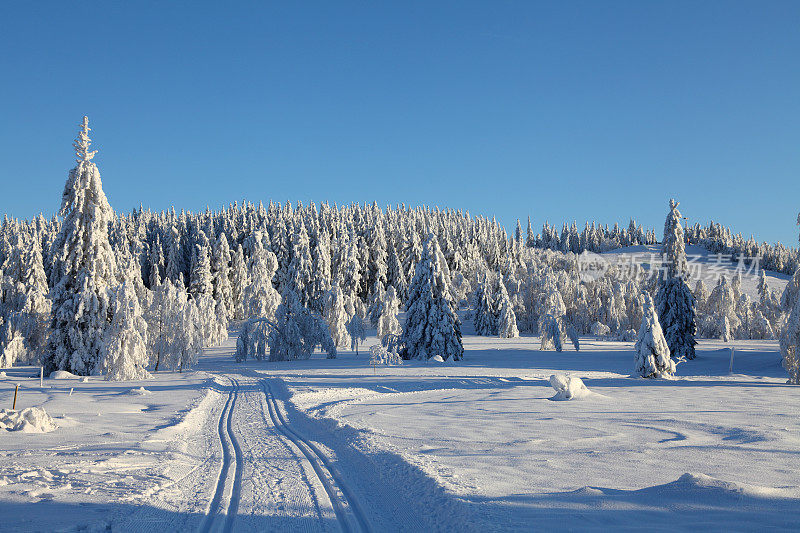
x,y
345,506
231,454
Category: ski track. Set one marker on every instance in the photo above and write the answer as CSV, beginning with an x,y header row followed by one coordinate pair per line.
x,y
220,506
345,505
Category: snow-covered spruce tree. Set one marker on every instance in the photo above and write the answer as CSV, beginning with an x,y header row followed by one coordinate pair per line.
x,y
174,269
432,326
12,344
506,318
124,355
551,333
84,268
790,345
355,328
188,341
220,274
387,322
161,317
200,281
721,321
297,332
376,297
395,276
31,306
674,300
484,318
212,322
156,259
652,352
336,316
261,300
300,273
791,293
552,327
239,282
321,267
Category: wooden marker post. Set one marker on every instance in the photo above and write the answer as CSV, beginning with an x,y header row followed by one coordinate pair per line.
x,y
14,405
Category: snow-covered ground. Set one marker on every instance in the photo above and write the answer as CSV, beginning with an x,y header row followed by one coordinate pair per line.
x,y
327,445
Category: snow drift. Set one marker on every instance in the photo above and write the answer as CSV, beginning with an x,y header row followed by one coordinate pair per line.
x,y
568,387
29,420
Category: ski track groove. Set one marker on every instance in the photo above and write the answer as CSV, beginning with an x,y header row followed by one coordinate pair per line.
x,y
321,466
225,433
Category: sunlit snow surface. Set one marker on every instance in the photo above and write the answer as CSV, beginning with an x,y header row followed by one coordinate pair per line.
x,y
470,446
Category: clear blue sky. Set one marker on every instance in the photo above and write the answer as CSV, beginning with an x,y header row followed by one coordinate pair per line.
x,y
559,110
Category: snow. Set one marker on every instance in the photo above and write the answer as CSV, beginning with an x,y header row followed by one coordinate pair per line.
x,y
29,420
417,447
62,374
568,388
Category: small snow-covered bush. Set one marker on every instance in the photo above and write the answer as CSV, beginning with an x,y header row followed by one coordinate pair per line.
x,y
599,329
623,335
380,355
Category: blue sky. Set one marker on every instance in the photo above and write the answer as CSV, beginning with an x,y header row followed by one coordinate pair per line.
x,y
561,111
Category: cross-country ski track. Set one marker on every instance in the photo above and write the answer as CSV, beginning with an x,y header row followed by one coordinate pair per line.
x,y
246,459
224,505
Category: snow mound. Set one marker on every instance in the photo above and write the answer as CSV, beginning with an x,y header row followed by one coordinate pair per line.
x,y
568,387
436,359
2,374
29,420
141,391
62,374
704,487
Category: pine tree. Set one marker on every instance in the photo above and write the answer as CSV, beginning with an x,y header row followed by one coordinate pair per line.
x,y
84,269
675,302
652,352
432,327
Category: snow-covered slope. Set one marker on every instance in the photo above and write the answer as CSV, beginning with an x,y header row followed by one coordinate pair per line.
x,y
702,265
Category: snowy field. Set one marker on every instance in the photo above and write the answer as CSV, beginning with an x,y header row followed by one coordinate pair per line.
x,y
329,445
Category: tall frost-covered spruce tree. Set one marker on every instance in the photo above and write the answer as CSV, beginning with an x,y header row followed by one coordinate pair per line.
x,y
84,268
652,352
675,302
432,327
